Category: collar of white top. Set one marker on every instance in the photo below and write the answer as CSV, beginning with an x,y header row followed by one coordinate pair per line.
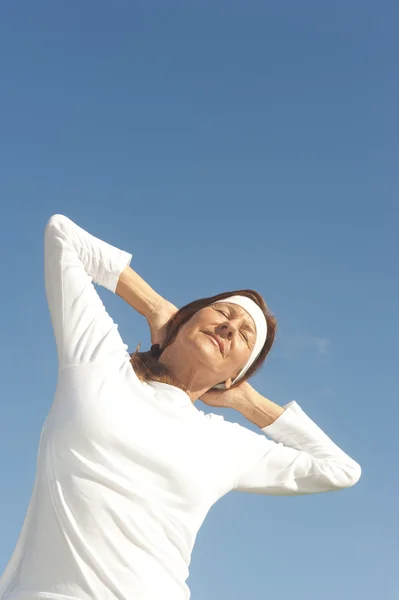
x,y
261,330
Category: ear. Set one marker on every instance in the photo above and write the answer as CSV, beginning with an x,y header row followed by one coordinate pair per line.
x,y
227,383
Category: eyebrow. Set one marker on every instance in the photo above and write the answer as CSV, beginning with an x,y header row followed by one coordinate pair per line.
x,y
248,325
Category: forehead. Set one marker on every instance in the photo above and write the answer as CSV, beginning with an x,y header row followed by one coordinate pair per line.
x,y
239,311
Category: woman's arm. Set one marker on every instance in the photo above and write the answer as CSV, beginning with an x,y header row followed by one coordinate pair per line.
x,y
256,408
300,459
74,260
140,296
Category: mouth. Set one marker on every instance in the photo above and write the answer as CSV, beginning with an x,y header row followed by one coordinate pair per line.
x,y
217,341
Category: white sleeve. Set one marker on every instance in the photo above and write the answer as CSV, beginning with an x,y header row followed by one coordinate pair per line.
x,y
300,458
73,260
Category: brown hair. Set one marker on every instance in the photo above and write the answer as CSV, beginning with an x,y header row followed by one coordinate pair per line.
x,y
146,364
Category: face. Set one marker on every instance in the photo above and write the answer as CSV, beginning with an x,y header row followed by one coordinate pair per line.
x,y
220,337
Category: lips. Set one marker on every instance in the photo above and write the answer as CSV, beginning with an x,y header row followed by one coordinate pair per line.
x,y
218,341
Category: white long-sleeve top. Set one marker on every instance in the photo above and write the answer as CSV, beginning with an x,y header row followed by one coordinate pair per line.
x,y
128,470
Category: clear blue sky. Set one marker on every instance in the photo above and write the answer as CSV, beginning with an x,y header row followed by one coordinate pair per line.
x,y
226,145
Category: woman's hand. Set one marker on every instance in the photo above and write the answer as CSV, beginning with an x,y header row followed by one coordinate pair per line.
x,y
253,406
158,321
231,398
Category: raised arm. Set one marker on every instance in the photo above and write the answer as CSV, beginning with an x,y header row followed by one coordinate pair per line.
x,y
136,292
74,260
299,459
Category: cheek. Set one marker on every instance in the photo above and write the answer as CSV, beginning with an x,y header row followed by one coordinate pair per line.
x,y
186,334
244,353
238,357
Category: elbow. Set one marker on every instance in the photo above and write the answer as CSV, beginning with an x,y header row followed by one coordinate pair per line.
x,y
54,222
349,475
354,474
338,474
56,227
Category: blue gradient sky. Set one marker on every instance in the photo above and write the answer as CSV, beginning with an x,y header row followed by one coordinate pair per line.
x,y
226,145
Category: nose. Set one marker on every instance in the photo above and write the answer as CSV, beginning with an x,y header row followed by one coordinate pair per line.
x,y
226,330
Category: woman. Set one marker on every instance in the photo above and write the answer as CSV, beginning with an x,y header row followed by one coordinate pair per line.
x,y
127,466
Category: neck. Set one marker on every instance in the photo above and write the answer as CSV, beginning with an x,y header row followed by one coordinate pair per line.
x,y
194,382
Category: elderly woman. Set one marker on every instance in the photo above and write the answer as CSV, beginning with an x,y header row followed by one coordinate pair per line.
x,y
128,467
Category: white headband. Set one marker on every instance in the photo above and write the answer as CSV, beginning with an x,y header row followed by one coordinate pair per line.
x,y
261,330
